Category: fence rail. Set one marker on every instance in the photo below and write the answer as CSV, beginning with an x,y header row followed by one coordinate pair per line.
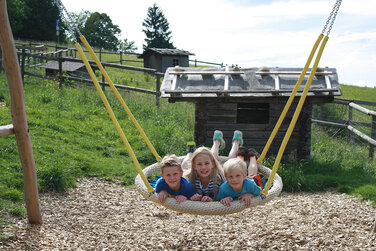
x,y
27,55
72,52
348,124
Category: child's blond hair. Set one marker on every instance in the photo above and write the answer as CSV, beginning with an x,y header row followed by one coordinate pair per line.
x,y
170,161
235,164
191,175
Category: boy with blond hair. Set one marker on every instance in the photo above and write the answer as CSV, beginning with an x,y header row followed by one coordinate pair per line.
x,y
237,186
172,184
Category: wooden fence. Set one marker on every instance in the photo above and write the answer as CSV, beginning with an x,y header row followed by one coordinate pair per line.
x,y
35,57
203,62
350,123
72,52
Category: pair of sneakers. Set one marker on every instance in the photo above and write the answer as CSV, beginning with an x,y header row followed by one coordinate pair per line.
x,y
191,146
218,135
247,153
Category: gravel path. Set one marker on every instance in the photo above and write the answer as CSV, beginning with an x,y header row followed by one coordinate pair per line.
x,y
99,215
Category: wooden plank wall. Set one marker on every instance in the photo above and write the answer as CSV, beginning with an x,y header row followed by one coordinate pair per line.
x,y
211,116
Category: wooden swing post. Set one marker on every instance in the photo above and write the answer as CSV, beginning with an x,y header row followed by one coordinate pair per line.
x,y
20,127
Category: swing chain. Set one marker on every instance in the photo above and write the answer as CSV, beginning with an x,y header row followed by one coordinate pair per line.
x,y
332,17
68,19
336,8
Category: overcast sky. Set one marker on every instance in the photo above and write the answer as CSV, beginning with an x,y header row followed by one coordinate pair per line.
x,y
254,33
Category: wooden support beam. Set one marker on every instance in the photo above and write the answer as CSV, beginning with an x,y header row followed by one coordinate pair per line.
x,y
6,130
21,129
206,72
226,85
290,73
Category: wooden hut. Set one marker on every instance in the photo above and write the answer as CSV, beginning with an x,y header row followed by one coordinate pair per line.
x,y
250,100
161,59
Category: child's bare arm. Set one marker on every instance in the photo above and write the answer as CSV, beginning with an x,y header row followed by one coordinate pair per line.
x,y
246,198
227,201
162,195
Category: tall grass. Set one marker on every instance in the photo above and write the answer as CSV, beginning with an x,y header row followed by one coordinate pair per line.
x,y
73,136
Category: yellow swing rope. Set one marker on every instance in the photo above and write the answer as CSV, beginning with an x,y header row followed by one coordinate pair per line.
x,y
281,150
113,118
294,119
289,101
118,96
150,189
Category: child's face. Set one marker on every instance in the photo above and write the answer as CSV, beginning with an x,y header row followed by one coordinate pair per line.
x,y
203,165
235,179
172,175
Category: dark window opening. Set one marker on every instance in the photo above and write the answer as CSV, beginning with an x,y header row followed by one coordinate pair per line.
x,y
175,62
252,113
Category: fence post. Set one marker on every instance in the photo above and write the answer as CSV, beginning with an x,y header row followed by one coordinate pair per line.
x,y
23,64
121,58
195,62
100,54
373,136
103,81
350,123
60,60
158,89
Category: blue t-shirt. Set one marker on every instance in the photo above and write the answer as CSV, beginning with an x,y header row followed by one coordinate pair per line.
x,y
249,186
186,187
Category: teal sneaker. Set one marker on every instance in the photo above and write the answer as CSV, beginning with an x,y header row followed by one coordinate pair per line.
x,y
191,146
218,135
238,135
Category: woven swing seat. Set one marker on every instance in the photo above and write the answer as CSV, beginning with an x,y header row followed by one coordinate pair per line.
x,y
208,208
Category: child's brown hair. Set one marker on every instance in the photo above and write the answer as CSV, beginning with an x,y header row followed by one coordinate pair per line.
x,y
169,161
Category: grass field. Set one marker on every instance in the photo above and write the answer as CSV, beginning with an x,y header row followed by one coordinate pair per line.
x,y
73,136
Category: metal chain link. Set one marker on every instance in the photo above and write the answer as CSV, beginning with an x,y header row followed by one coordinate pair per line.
x,y
332,17
338,4
67,19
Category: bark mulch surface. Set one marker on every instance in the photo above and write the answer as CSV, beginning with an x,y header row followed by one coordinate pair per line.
x,y
99,215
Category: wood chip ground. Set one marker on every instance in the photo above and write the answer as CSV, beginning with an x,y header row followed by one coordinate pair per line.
x,y
99,215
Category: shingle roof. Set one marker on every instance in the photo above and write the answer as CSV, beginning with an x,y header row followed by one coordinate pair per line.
x,y
185,82
169,51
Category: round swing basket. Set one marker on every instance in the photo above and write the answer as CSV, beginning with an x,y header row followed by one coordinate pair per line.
x,y
208,208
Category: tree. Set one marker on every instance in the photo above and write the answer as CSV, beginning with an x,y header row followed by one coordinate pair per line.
x,y
77,21
33,19
101,32
17,14
156,29
127,46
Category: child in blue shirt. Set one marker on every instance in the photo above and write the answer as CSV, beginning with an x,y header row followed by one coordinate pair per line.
x,y
172,184
237,186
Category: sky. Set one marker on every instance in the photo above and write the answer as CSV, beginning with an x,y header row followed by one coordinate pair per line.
x,y
255,33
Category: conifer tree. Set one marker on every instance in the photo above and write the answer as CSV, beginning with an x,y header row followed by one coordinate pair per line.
x,y
157,29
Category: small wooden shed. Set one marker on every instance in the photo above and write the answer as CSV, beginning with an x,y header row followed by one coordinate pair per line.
x,y
161,59
250,100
